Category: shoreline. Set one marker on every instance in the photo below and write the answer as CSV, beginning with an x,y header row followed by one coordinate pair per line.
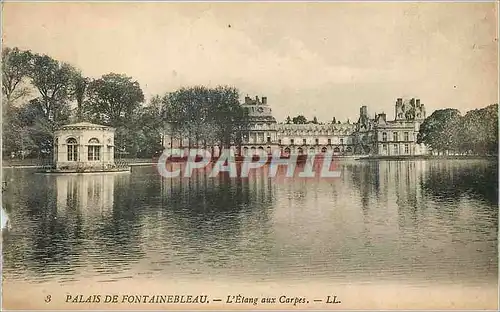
x,y
147,162
428,157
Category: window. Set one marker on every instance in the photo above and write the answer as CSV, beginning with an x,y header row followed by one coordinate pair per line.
x,y
72,149
268,139
384,136
291,141
94,152
406,136
317,141
395,136
341,141
396,149
407,148
279,141
329,141
385,147
304,141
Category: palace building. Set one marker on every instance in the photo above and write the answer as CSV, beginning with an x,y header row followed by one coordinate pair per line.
x,y
368,136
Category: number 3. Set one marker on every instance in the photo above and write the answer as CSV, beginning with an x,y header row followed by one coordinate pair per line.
x,y
48,299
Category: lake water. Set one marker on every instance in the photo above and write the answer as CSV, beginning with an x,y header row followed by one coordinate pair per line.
x,y
414,222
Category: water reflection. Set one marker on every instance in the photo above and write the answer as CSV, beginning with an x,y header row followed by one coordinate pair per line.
x,y
417,220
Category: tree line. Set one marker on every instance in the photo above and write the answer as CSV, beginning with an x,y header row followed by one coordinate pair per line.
x,y
301,119
446,131
41,94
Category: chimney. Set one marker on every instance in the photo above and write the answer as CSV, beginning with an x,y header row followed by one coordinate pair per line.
x,y
418,102
412,102
399,101
264,100
257,101
383,116
363,111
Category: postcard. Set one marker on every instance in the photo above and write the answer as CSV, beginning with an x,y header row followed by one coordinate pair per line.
x,y
249,155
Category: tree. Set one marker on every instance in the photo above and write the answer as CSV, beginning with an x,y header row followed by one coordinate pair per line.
x,y
45,113
115,100
79,88
112,100
300,119
315,120
16,66
479,131
210,116
53,80
149,128
440,131
288,120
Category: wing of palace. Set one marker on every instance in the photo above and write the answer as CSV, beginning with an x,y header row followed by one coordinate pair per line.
x,y
367,136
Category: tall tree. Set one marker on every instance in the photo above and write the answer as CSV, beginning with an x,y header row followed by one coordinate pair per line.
x,y
50,109
210,116
16,66
79,88
439,131
113,99
149,128
288,120
53,80
479,131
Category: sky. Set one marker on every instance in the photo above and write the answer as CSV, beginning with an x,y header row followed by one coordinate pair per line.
x,y
315,59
